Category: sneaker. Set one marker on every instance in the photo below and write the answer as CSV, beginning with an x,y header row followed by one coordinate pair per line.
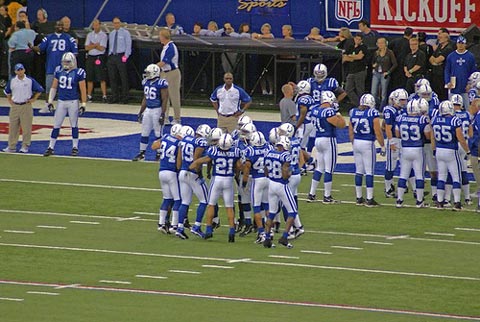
x,y
399,203
48,152
390,193
216,225
329,200
360,201
447,203
468,202
105,99
172,229
163,229
197,231
283,241
239,226
44,110
231,238
8,150
181,234
260,238
371,203
311,198
434,198
267,243
421,204
457,206
23,150
208,235
303,172
439,205
89,99
157,156
140,156
299,232
74,152
247,230
186,223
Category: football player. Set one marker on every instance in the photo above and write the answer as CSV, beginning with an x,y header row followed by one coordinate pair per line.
x,y
474,144
319,83
304,103
69,82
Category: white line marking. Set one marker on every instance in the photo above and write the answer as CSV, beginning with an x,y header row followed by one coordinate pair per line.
x,y
347,247
145,213
218,266
397,237
115,282
85,222
241,260
252,300
61,287
70,184
284,257
438,234
10,299
183,272
316,252
150,276
125,219
19,231
51,227
468,229
376,243
42,293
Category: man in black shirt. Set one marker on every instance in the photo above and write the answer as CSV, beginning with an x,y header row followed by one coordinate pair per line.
x,y
437,61
414,66
400,46
356,69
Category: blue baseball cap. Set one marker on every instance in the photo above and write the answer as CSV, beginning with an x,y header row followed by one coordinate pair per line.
x,y
461,40
19,67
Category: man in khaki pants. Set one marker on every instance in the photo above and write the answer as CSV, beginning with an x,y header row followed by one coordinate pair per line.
x,y
170,71
21,92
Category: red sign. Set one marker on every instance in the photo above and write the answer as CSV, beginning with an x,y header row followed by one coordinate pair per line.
x,y
423,15
4,127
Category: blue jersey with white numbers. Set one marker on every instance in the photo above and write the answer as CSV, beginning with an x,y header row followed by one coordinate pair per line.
x,y
274,162
223,161
464,117
362,123
390,115
309,103
256,156
295,149
412,130
55,45
473,93
68,83
320,116
316,88
474,141
152,91
188,146
444,129
168,153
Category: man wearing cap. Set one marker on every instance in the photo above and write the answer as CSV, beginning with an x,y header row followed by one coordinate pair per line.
x,y
460,64
21,92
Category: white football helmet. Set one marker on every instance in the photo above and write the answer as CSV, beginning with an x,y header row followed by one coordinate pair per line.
x,y
474,78
244,119
328,97
256,139
320,72
303,87
367,100
69,61
262,138
203,130
446,108
175,130
152,71
425,91
215,135
423,105
246,130
420,82
284,141
457,99
413,107
398,96
286,129
186,131
273,135
225,142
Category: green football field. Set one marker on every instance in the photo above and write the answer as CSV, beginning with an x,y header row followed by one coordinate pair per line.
x,y
79,242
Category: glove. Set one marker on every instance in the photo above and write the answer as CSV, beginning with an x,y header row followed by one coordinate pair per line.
x,y
382,151
140,118
161,120
51,108
81,109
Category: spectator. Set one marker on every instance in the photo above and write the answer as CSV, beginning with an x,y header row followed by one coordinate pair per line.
x,y
288,109
244,30
67,23
344,39
43,27
287,32
229,60
230,101
171,72
401,47
414,65
22,16
384,63
54,45
175,29
19,48
266,32
197,28
119,51
314,34
265,61
5,33
22,91
96,61
356,69
437,61
369,35
6,21
13,8
460,64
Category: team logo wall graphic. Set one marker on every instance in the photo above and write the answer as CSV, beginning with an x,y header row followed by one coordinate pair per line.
x,y
349,11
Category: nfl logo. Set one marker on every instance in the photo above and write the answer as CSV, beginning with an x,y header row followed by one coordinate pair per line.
x,y
349,11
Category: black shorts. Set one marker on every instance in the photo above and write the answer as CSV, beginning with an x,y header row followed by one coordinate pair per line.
x,y
96,72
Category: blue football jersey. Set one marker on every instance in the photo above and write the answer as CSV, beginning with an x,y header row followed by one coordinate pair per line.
x,y
55,45
316,88
223,161
68,83
362,123
320,116
188,146
256,156
309,103
274,162
464,117
152,91
168,153
390,115
412,129
295,149
444,129
474,141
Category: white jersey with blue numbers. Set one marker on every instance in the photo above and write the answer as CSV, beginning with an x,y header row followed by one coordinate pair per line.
x,y
362,123
316,88
412,130
256,156
168,153
55,45
444,129
390,115
464,117
68,83
152,91
309,103
188,146
295,149
274,162
223,161
320,116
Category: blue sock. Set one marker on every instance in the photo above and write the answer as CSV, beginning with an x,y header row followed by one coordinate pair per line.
x,y
248,221
209,230
231,231
388,175
144,139
369,180
260,230
201,211
317,175
358,180
285,235
402,183
182,213
55,133
75,132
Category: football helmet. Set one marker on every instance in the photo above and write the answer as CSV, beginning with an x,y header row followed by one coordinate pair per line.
x,y
303,87
446,108
273,135
413,108
262,138
175,130
420,82
367,100
186,131
225,142
457,99
203,130
398,96
284,141
215,135
246,130
69,61
474,78
328,97
425,91
244,119
256,139
320,72
286,129
152,71
423,105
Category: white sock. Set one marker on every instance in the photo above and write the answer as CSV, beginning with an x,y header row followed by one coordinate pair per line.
x,y
297,221
466,191
75,143
358,191
143,146
328,189
174,219
313,187
247,214
420,194
457,194
401,193
52,143
388,184
162,217
448,192
369,193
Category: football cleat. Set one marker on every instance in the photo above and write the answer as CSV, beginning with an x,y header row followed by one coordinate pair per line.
x,y
299,232
360,201
390,193
48,152
399,203
140,156
267,243
172,229
434,198
181,234
329,200
163,229
231,238
260,238
457,206
216,225
421,204
157,156
74,152
197,231
468,202
186,223
371,203
284,241
311,198
247,230
208,236
439,205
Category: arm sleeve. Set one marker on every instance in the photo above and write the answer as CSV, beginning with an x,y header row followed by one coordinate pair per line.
x,y
244,97
36,87
169,53
128,44
73,45
214,97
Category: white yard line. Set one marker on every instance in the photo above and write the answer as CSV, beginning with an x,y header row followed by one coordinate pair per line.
x,y
51,227
146,213
183,272
115,282
61,287
150,276
315,252
85,222
284,257
439,234
43,293
126,219
218,266
241,260
18,231
377,243
468,229
11,299
346,247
